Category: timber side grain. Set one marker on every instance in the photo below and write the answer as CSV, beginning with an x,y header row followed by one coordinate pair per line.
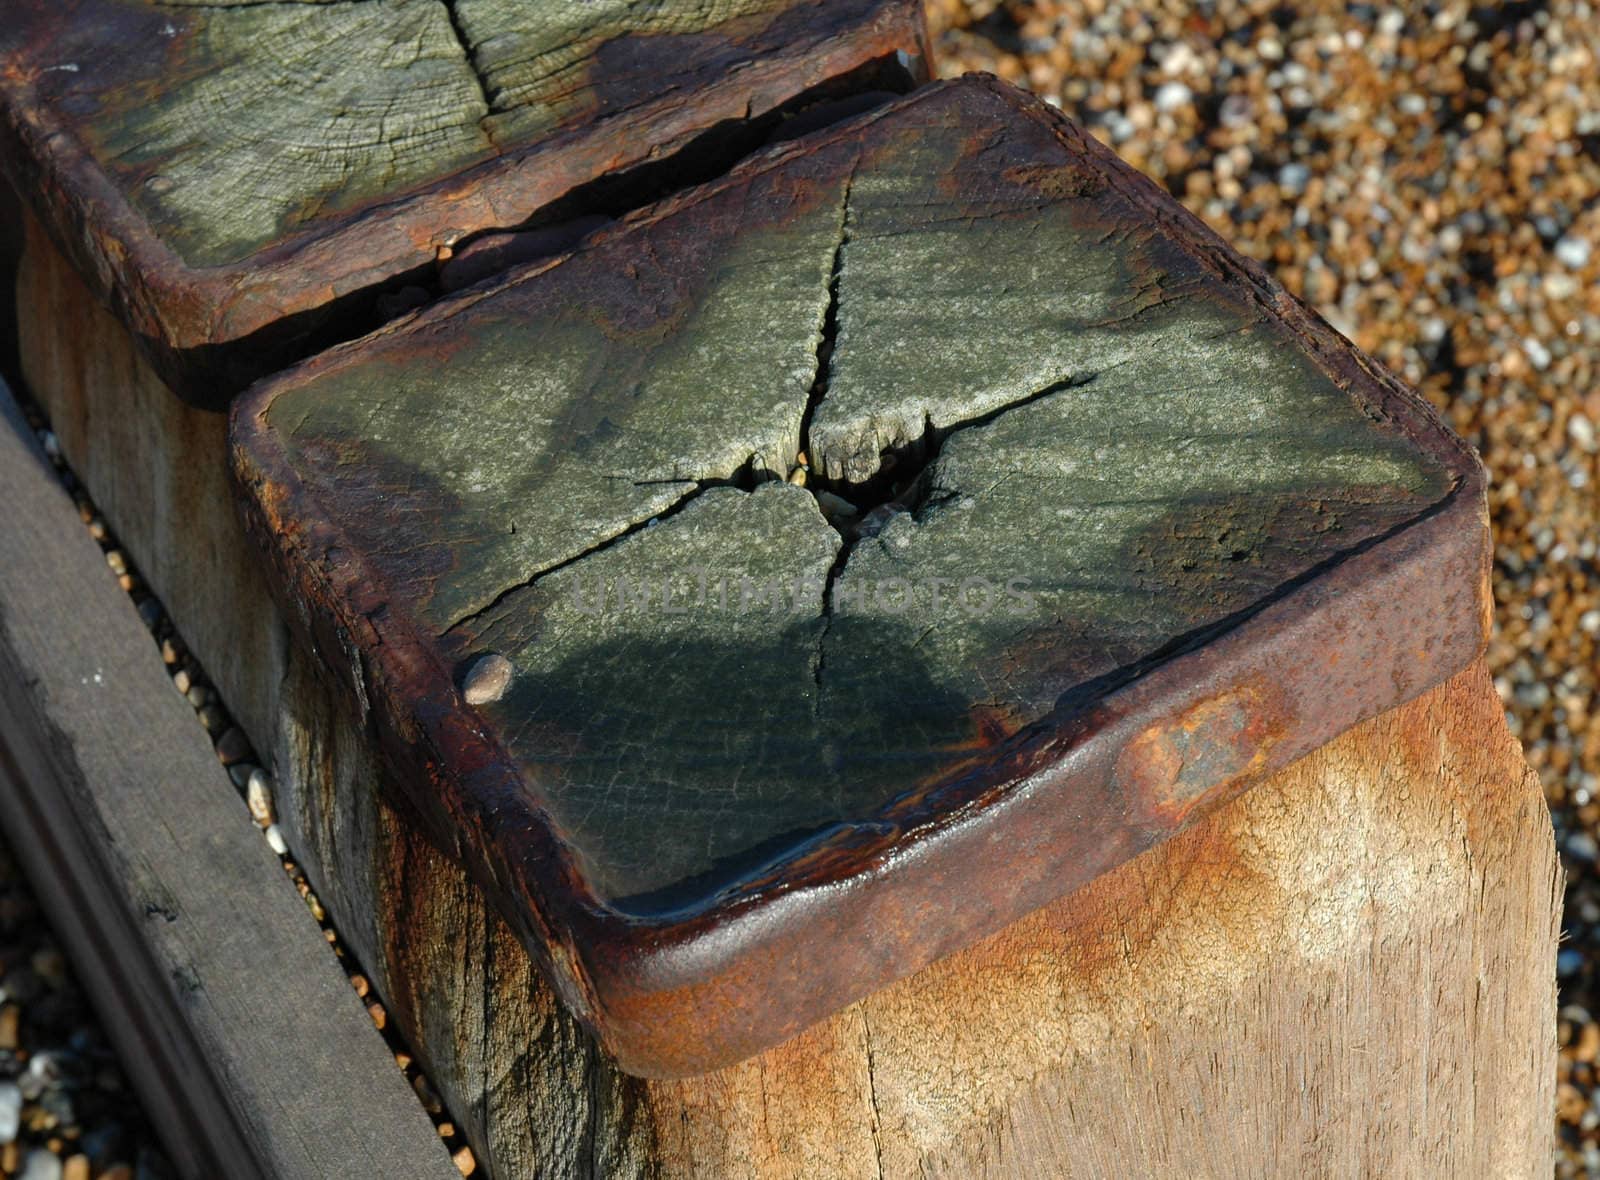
x,y
1349,970
249,1048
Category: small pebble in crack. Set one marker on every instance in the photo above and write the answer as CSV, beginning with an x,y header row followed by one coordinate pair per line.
x,y
487,679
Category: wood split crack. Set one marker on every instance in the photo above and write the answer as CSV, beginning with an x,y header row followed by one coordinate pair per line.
x,y
743,479
469,54
826,340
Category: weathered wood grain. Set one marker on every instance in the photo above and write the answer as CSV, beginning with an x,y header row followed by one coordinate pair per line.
x,y
1348,969
1010,543
240,180
250,1049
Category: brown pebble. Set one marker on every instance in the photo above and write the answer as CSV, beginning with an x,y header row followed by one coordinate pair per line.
x,y
233,746
487,679
447,1130
359,982
76,1168
182,682
403,1060
119,1172
9,1017
379,1016
10,1157
1570,1103
425,1095
465,1162
172,652
127,583
1588,1045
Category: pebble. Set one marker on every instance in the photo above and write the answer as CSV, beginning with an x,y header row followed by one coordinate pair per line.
x,y
1293,178
487,679
239,774
275,840
258,797
181,681
150,613
1573,252
1581,846
10,1110
425,1095
1581,431
41,1165
1568,962
233,746
1173,96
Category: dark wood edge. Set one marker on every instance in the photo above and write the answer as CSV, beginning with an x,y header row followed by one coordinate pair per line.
x,y
180,315
888,895
221,1096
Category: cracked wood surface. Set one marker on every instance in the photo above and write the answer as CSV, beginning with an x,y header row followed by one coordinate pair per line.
x,y
236,174
1004,359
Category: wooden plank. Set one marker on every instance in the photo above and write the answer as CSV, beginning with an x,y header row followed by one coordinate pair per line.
x,y
1186,504
1370,932
241,180
250,1050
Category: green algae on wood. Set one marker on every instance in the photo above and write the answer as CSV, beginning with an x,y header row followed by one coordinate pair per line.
x,y
813,507
243,181
273,116
1100,448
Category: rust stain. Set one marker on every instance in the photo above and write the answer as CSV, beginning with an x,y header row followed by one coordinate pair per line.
x,y
1207,748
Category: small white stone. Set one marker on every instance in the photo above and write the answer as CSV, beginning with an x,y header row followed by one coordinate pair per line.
x,y
10,1111
1560,286
41,1165
1581,431
487,679
1178,59
1173,96
258,797
1572,252
1294,177
276,842
1538,354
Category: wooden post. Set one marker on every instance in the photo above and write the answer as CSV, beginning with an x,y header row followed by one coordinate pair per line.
x,y
1347,969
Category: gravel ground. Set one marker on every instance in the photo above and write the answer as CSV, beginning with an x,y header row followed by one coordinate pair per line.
x,y
66,1112
1429,179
